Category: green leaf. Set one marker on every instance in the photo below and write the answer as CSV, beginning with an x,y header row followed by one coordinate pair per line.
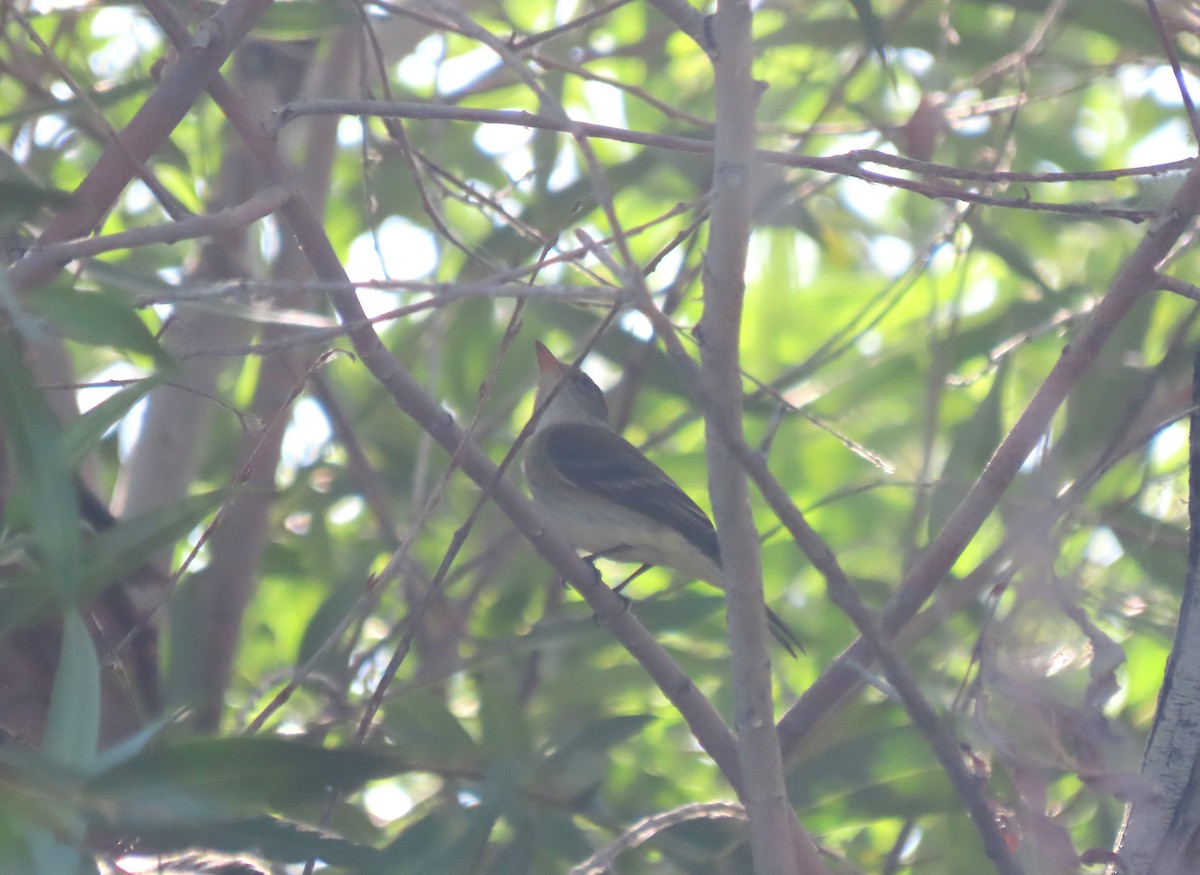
x,y
677,611
20,201
72,733
974,442
872,27
129,544
35,446
272,838
446,841
297,19
327,618
97,319
221,779
51,856
36,790
425,732
108,556
98,98
504,729
73,724
598,736
130,747
84,433
580,762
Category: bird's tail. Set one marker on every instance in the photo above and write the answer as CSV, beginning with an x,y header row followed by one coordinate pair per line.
x,y
784,635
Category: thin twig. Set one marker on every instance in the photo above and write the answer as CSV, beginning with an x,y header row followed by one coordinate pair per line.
x,y
847,164
1137,278
709,729
1169,49
232,219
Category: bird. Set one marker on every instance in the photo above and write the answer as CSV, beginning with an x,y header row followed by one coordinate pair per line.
x,y
602,494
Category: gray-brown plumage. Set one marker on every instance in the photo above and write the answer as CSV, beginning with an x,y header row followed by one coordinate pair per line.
x,y
601,494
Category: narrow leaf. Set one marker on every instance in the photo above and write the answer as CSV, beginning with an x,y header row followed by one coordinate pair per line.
x,y
73,724
82,435
35,446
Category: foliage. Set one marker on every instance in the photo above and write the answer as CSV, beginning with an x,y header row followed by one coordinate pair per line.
x,y
272,567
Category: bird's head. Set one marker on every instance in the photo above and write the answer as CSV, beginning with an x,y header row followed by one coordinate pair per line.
x,y
579,400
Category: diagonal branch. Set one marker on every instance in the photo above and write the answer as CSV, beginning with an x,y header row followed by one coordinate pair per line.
x,y
703,720
1137,278
200,57
843,594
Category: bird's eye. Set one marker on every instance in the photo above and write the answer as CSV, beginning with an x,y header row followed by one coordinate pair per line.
x,y
592,396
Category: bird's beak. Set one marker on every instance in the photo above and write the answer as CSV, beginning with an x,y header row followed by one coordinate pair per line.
x,y
548,365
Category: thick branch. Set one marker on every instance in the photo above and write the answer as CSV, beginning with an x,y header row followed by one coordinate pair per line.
x,y
200,58
707,725
843,594
766,801
1159,831
1137,278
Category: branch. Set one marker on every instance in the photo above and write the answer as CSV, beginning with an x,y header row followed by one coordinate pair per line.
x,y
1159,829
771,817
843,594
703,720
200,57
848,164
1137,278
57,255
603,860
689,20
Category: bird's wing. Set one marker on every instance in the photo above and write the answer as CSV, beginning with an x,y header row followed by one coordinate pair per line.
x,y
597,460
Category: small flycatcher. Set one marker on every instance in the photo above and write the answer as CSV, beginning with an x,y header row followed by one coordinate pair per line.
x,y
602,495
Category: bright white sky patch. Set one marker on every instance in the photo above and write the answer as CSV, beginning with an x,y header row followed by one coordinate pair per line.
x,y
1103,547
47,129
1159,83
346,510
1168,444
138,198
511,144
501,139
565,10
409,253
605,103
1034,459
387,802
916,61
268,239
306,436
349,131
125,35
869,200
130,425
418,69
980,294
869,343
890,255
566,170
635,323
1167,142
457,73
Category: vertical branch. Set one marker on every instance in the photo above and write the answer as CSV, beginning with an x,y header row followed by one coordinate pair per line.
x,y
704,721
1160,828
765,796
1137,277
